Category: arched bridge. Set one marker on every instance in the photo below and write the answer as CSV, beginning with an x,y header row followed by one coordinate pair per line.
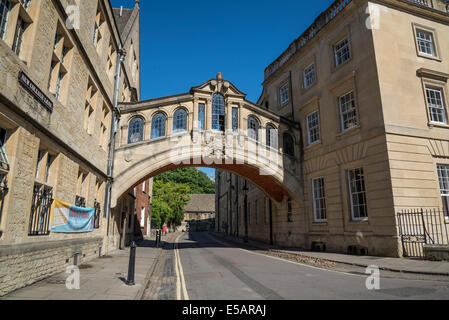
x,y
213,125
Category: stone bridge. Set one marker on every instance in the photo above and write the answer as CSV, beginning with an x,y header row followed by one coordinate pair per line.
x,y
214,126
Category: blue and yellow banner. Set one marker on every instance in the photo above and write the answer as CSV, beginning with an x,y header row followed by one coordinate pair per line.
x,y
70,219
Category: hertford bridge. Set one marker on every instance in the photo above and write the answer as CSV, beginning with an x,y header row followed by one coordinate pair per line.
x,y
214,126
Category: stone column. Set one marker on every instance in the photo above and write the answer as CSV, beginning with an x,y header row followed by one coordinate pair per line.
x,y
228,115
241,122
146,126
209,114
169,126
124,137
194,121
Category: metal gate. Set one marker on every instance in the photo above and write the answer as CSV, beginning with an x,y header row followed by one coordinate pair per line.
x,y
418,227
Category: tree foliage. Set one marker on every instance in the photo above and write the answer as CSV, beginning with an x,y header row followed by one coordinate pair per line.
x,y
169,201
198,181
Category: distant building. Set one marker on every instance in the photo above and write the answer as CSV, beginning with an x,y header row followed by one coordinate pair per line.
x,y
199,213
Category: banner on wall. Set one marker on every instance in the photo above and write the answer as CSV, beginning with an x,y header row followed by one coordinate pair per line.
x,y
70,219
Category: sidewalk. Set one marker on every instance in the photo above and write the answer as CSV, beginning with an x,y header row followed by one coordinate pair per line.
x,y
100,279
390,264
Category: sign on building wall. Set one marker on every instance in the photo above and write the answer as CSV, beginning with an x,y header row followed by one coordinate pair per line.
x,y
70,219
26,82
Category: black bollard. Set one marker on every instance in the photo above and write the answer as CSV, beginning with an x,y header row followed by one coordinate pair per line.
x,y
132,265
160,237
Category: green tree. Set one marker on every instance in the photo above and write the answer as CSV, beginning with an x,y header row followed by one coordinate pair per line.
x,y
169,201
198,181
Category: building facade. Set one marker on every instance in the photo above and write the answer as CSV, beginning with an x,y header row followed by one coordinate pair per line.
x,y
199,214
58,62
368,81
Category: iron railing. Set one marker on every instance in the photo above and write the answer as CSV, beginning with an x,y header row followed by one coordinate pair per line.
x,y
41,211
80,202
3,191
97,207
419,227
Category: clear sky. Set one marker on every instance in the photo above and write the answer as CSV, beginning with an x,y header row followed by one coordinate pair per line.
x,y
185,43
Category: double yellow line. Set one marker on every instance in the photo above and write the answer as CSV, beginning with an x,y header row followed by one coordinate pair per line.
x,y
181,289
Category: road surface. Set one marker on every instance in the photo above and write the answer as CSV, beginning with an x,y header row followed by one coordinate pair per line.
x,y
200,267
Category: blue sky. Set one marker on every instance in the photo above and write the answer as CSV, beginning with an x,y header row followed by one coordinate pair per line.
x,y
185,43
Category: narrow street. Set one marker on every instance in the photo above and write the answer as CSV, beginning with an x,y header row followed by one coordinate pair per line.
x,y
201,267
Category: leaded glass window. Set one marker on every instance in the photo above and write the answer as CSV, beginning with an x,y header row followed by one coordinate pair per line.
x,y
253,128
135,130
5,8
272,137
201,116
180,121
235,119
218,112
158,126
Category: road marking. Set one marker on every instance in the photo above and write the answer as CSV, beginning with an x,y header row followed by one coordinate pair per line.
x,y
293,262
180,283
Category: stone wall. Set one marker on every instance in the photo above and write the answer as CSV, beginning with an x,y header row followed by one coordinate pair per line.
x,y
25,264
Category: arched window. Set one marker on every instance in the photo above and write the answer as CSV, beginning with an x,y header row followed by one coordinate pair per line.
x,y
272,137
218,112
158,126
135,130
253,128
289,146
180,121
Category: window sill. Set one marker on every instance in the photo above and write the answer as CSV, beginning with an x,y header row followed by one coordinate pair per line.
x,y
437,125
355,129
313,146
304,90
336,68
320,223
426,56
361,220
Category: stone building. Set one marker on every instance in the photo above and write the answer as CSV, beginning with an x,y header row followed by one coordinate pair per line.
x,y
368,81
199,214
57,80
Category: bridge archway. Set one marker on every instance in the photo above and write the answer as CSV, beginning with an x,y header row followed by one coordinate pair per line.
x,y
259,157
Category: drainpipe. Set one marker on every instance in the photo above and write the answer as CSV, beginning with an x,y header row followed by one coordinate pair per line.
x,y
230,205
271,221
121,54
